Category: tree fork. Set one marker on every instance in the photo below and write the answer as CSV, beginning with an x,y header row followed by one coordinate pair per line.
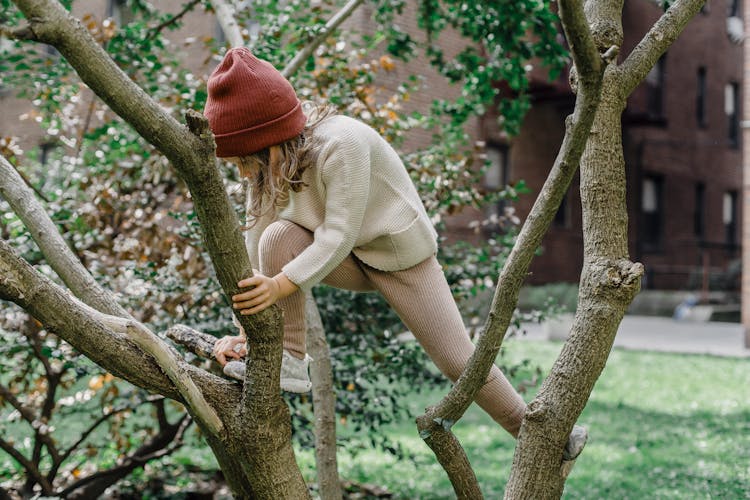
x,y
452,407
609,280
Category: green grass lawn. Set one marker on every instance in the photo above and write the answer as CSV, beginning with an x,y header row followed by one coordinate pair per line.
x,y
660,426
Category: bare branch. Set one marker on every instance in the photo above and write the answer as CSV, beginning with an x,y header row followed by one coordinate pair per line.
x,y
582,47
166,442
226,16
324,403
20,33
31,470
661,35
102,418
26,413
199,343
326,31
172,20
37,424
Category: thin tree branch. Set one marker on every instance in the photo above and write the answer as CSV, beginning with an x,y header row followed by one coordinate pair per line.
x,y
226,16
4,494
172,20
324,403
26,413
102,418
21,33
37,424
166,442
434,426
332,24
53,379
31,470
658,39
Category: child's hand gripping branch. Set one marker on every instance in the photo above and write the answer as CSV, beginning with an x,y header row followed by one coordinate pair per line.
x,y
264,293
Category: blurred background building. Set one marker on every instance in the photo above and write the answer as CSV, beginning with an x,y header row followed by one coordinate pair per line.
x,y
682,139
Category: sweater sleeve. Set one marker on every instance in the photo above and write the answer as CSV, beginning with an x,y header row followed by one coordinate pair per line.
x,y
345,174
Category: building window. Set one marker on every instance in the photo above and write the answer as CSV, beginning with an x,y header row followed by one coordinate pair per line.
x,y
731,108
729,217
45,153
655,89
733,8
496,178
562,216
120,12
700,98
699,222
651,209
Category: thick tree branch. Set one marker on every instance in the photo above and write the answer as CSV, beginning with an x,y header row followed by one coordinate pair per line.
x,y
586,56
47,237
62,260
63,315
658,39
299,59
169,360
226,16
438,419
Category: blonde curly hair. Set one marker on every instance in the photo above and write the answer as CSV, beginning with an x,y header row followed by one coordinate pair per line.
x,y
272,172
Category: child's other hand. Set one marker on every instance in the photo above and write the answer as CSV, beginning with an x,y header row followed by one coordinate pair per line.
x,y
226,347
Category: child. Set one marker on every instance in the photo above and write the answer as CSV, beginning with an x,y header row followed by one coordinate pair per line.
x,y
330,201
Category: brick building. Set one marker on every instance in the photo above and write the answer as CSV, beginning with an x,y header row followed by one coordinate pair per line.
x,y
682,153
680,135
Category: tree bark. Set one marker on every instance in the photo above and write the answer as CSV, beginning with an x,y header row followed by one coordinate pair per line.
x,y
609,281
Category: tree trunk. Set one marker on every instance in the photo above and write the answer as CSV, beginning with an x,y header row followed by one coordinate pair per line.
x,y
324,404
609,281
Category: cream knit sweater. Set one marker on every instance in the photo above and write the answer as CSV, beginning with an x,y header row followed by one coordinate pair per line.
x,y
359,199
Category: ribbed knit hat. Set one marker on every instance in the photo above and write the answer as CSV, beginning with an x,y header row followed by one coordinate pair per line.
x,y
250,105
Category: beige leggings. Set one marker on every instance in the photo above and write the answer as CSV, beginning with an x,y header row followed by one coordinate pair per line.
x,y
421,297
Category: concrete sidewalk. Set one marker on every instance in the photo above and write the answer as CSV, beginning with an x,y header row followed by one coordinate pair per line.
x,y
652,333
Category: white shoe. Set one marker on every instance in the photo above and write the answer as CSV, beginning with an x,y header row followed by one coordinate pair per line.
x,y
294,372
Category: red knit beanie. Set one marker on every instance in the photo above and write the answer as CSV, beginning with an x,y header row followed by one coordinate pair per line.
x,y
250,105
